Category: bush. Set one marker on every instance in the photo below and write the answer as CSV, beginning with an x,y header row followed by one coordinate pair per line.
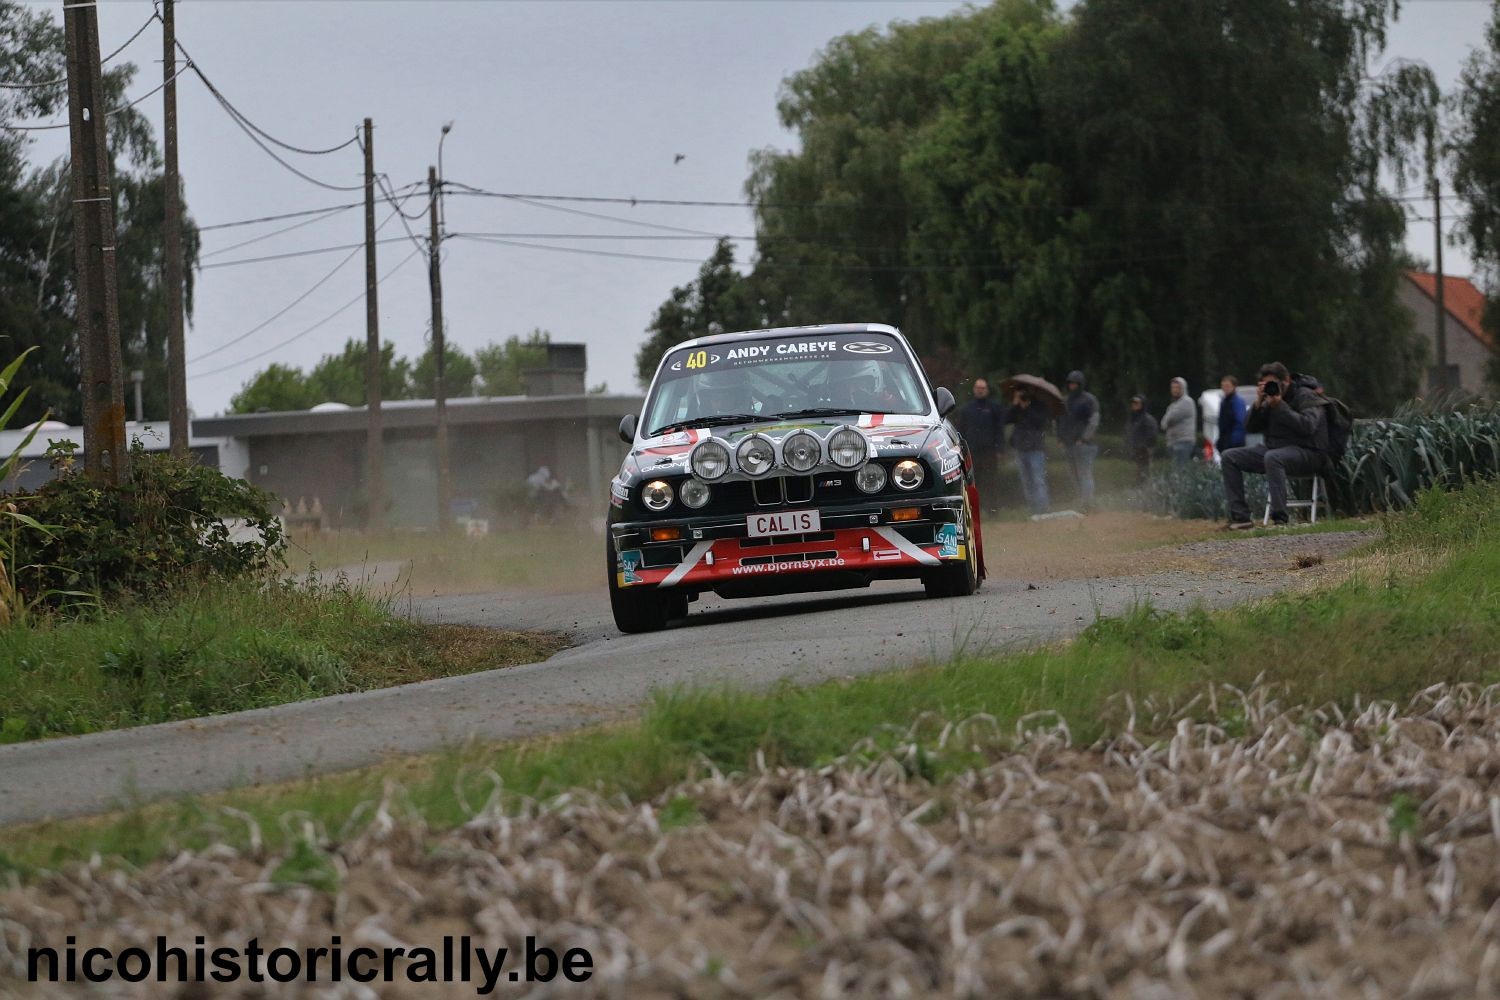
x,y
168,527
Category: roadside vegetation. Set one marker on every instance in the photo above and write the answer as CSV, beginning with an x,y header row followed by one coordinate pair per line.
x,y
1419,609
539,560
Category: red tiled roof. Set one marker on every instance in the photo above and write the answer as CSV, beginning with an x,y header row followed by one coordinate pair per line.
x,y
1463,301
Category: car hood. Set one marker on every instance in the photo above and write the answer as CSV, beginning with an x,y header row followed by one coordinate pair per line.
x,y
890,435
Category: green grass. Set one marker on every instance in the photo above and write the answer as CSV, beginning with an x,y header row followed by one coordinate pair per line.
x,y
547,558
1383,633
224,648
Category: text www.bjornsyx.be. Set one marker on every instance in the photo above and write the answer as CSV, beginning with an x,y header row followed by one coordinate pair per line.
x,y
456,959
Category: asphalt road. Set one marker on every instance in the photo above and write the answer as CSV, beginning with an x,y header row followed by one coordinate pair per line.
x,y
604,675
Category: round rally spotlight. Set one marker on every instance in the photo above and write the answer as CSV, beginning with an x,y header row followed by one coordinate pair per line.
x,y
693,493
871,479
656,495
801,451
908,475
847,448
709,460
756,455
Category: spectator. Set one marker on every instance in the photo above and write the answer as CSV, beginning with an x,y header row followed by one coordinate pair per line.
x,y
1030,418
1140,437
1231,416
1296,443
981,422
1181,424
1076,429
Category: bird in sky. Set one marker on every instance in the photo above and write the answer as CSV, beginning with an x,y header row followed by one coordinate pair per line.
x,y
678,158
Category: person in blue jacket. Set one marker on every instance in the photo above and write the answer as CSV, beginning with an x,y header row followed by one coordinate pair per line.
x,y
1231,416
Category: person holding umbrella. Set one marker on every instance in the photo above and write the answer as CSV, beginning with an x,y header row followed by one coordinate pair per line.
x,y
1033,402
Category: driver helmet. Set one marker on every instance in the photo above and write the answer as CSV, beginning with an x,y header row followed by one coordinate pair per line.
x,y
722,392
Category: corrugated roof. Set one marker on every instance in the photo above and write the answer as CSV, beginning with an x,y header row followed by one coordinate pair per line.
x,y
1461,299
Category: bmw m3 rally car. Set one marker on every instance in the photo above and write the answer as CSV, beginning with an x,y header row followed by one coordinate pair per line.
x,y
789,460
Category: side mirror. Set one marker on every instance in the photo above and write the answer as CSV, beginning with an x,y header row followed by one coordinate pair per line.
x,y
627,428
945,401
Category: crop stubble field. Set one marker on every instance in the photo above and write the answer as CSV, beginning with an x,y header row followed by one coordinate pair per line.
x,y
1297,798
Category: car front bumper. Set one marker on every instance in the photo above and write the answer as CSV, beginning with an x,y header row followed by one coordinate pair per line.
x,y
713,550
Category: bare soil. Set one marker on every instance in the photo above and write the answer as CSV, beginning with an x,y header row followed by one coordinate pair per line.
x,y
1260,853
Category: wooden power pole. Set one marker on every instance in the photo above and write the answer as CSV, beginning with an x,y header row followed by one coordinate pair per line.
x,y
1441,379
375,445
177,411
106,457
439,351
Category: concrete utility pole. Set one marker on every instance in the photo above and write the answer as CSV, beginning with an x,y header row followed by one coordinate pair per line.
x,y
177,415
440,391
106,458
375,445
1440,381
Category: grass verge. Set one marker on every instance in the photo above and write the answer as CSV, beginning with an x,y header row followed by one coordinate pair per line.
x,y
545,559
225,648
1382,633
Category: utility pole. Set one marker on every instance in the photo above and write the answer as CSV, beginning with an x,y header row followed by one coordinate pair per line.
x,y
1441,380
375,446
106,459
440,391
177,418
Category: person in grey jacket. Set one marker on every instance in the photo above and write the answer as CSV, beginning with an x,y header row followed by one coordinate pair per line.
x,y
1076,429
1180,422
1295,424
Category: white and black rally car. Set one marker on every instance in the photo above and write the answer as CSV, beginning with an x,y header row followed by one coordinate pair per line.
x,y
789,460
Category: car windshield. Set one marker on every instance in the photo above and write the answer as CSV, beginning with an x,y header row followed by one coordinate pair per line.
x,y
791,376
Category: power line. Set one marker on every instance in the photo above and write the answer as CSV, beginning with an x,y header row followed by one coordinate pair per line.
x,y
389,196
294,253
292,215
240,116
278,232
316,326
291,305
524,200
108,114
61,80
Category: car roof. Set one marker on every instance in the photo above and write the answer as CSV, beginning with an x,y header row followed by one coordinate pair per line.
x,y
792,331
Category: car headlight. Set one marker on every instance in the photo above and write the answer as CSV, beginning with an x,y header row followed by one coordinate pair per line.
x,y
908,474
693,493
709,460
847,448
801,451
871,478
756,455
656,495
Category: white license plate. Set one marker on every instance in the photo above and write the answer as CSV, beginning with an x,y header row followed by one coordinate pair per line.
x,y
786,522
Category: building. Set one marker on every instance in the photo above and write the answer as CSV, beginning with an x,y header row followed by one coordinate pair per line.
x,y
314,460
1470,344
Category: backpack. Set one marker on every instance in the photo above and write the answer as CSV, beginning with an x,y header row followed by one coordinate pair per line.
x,y
1339,418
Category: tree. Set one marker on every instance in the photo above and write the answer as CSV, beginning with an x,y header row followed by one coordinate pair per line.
x,y
340,378
719,298
36,260
500,365
276,389
458,374
1476,171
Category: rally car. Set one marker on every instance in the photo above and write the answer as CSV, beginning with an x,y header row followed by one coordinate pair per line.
x,y
789,460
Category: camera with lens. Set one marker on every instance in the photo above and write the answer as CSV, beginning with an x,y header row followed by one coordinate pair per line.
x,y
1273,387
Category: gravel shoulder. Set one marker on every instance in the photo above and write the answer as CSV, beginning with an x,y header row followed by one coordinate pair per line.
x,y
606,676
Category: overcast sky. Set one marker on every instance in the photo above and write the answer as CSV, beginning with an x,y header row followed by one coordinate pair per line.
x,y
567,98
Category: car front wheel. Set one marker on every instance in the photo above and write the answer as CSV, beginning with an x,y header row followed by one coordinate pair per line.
x,y
643,609
959,579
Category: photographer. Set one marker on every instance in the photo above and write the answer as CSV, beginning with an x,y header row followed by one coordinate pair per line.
x,y
1296,443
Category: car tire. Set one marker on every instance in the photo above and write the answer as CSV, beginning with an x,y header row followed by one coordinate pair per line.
x,y
642,610
957,579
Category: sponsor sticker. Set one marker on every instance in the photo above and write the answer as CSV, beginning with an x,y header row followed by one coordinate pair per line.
x,y
868,347
947,538
630,565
